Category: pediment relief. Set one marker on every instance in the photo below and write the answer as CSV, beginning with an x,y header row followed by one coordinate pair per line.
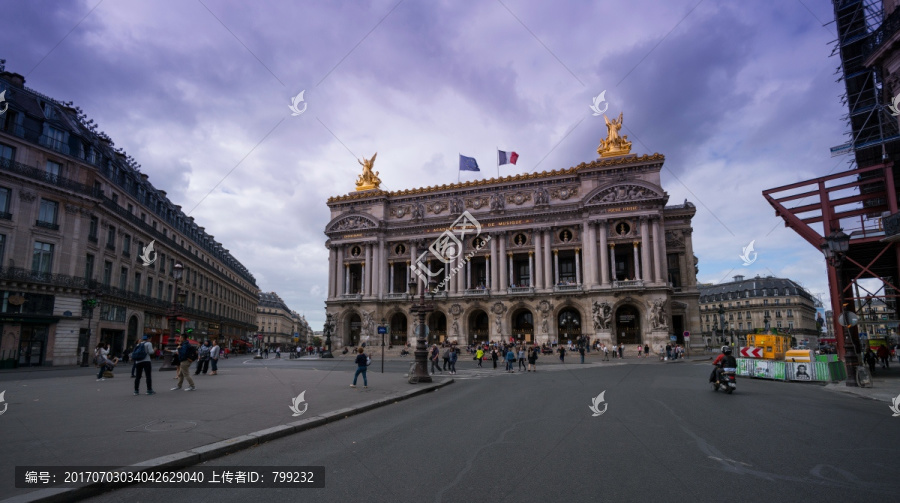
x,y
624,192
352,222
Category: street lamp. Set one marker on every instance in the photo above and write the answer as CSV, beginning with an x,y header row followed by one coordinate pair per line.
x,y
835,248
329,329
383,325
89,300
174,313
421,309
568,319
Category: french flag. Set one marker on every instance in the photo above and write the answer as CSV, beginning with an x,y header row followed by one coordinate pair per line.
x,y
508,157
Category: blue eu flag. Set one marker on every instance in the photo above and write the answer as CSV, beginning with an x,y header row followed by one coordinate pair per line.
x,y
468,163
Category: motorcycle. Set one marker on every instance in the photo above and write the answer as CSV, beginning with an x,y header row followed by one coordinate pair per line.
x,y
728,380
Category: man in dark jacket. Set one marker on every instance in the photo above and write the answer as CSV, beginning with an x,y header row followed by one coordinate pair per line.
x,y
184,357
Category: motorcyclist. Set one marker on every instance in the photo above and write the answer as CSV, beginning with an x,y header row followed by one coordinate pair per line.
x,y
724,360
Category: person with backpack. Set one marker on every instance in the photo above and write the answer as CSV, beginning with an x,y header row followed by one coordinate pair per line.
x,y
141,358
453,357
581,352
203,362
187,354
362,364
214,358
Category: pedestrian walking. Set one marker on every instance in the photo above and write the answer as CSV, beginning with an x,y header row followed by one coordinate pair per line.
x,y
187,353
668,351
214,352
494,356
266,352
435,360
532,358
510,359
141,358
203,362
605,353
562,354
581,352
130,351
646,351
446,357
870,360
479,354
362,364
453,357
883,356
522,358
621,350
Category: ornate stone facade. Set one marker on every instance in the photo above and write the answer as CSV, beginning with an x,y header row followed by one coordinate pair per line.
x,y
591,250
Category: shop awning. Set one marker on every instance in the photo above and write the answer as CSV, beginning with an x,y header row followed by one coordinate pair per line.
x,y
238,341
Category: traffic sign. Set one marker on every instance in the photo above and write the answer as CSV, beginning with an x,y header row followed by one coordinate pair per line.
x,y
751,352
382,330
687,335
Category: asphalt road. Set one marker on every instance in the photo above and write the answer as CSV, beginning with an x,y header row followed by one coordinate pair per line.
x,y
665,436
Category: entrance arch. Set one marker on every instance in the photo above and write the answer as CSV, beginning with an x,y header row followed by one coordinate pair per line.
x,y
479,327
398,329
354,324
437,328
522,325
568,325
627,325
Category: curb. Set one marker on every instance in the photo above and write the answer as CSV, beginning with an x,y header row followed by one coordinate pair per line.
x,y
219,449
840,387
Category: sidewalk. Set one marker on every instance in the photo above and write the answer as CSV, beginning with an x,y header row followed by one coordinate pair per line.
x,y
79,421
885,385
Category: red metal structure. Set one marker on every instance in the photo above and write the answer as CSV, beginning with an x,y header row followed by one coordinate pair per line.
x,y
853,201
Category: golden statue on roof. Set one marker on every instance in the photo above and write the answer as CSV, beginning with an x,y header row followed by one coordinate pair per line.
x,y
368,180
614,144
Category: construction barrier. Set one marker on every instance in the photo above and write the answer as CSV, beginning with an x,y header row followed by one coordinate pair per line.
x,y
791,371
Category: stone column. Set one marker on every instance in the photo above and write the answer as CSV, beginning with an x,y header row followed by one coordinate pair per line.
x,y
637,262
488,275
577,267
586,229
408,271
367,271
548,270
612,261
469,274
446,277
378,268
657,261
413,255
460,264
689,257
555,267
501,266
494,262
346,278
538,258
645,250
340,273
530,268
663,261
391,276
332,274
604,258
512,273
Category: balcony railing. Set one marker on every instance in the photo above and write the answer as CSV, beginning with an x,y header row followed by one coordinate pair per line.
x,y
351,296
395,295
513,290
5,216
566,288
475,292
43,176
47,225
634,283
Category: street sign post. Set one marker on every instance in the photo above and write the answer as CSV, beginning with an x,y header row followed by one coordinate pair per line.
x,y
751,352
382,330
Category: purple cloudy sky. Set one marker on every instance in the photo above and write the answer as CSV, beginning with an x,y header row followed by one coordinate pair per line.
x,y
739,96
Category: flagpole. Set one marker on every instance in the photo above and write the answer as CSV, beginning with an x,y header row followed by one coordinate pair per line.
x,y
498,163
457,172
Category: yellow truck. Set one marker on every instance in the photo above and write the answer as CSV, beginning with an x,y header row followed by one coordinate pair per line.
x,y
774,346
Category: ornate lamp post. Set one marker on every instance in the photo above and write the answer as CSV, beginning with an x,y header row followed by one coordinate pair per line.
x,y
174,313
421,309
835,248
89,300
328,329
568,319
